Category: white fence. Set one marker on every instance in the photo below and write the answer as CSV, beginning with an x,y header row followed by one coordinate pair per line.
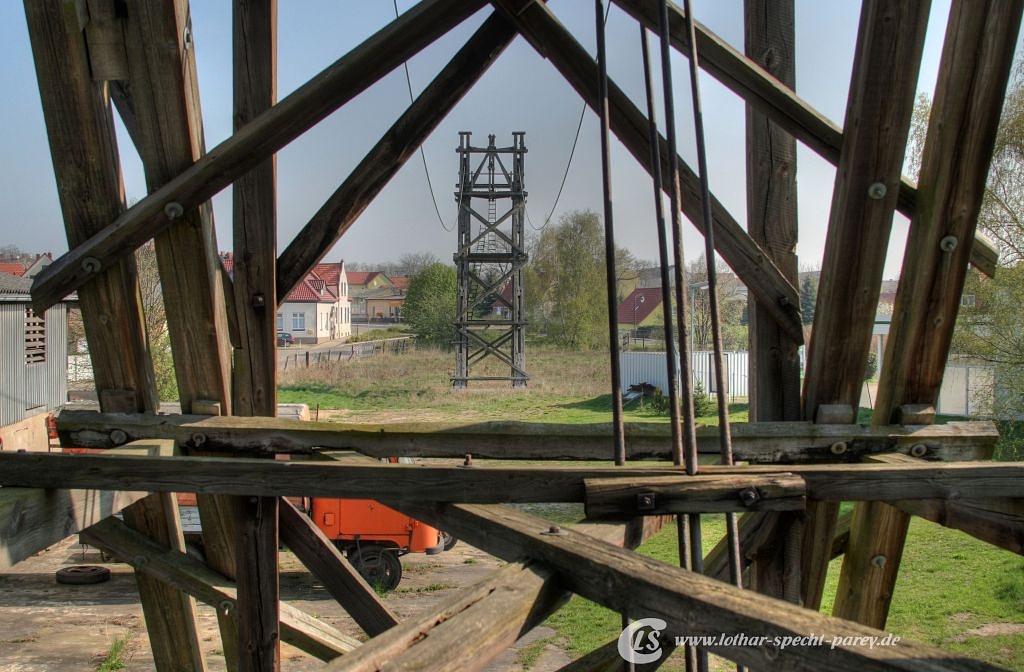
x,y
650,367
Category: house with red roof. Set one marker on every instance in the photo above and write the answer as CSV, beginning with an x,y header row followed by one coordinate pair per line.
x,y
642,308
318,308
12,268
376,297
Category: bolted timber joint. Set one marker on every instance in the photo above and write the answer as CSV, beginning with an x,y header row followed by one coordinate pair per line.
x,y
878,561
948,244
749,496
118,437
91,265
919,450
198,439
554,531
838,448
645,501
259,300
467,462
226,606
877,191
140,561
173,210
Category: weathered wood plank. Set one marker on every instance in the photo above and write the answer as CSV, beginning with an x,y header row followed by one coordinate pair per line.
x,y
477,624
625,498
206,585
630,125
757,443
314,550
392,151
415,483
258,584
37,519
266,134
642,587
999,522
764,90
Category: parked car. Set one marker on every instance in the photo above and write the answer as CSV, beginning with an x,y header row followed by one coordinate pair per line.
x,y
284,339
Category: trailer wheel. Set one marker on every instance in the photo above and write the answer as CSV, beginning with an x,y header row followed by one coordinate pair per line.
x,y
81,575
380,567
448,539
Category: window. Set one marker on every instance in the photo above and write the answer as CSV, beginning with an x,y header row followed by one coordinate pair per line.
x,y
967,301
298,321
280,321
35,338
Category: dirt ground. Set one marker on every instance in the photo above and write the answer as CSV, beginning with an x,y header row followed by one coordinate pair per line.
x,y
49,626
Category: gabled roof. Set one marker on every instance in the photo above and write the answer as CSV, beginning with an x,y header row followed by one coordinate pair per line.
x,y
12,268
330,272
312,289
638,306
363,278
14,288
400,281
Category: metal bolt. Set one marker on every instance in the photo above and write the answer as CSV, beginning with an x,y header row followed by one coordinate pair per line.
x,y
783,301
468,460
226,606
173,210
198,439
838,448
948,244
749,496
118,437
877,191
878,561
554,530
91,265
259,300
140,561
770,650
645,501
919,450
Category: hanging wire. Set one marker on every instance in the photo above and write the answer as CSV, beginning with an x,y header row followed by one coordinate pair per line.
x,y
688,527
423,156
724,429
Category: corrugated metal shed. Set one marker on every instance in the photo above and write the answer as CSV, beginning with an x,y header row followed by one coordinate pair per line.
x,y
29,384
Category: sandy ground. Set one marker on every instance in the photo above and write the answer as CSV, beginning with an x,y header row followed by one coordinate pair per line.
x,y
48,626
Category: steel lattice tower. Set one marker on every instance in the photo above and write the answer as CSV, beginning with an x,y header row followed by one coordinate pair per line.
x,y
490,318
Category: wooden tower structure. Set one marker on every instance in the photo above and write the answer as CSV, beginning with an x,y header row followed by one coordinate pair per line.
x,y
490,318
803,453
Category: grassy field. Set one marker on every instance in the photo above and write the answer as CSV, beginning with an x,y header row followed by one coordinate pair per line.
x,y
953,592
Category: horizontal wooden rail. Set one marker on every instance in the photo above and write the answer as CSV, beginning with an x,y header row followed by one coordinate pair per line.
x,y
642,587
415,483
759,443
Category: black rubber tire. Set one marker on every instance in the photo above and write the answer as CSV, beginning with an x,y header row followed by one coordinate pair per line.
x,y
379,566
82,575
448,539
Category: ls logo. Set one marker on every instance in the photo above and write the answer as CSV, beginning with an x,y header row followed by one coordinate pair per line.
x,y
639,642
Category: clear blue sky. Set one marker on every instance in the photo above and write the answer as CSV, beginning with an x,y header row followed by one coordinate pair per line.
x,y
520,92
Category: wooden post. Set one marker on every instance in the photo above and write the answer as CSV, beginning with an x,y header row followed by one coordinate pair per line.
x,y
255,384
881,98
976,61
82,143
162,99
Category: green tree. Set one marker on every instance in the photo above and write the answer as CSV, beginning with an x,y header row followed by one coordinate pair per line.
x,y
429,308
808,298
565,282
732,302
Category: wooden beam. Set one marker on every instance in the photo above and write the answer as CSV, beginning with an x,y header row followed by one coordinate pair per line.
x,y
314,550
392,151
642,587
266,134
757,443
38,519
193,577
771,213
1000,522
83,146
764,90
254,389
885,69
623,498
416,483
981,39
754,268
475,625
